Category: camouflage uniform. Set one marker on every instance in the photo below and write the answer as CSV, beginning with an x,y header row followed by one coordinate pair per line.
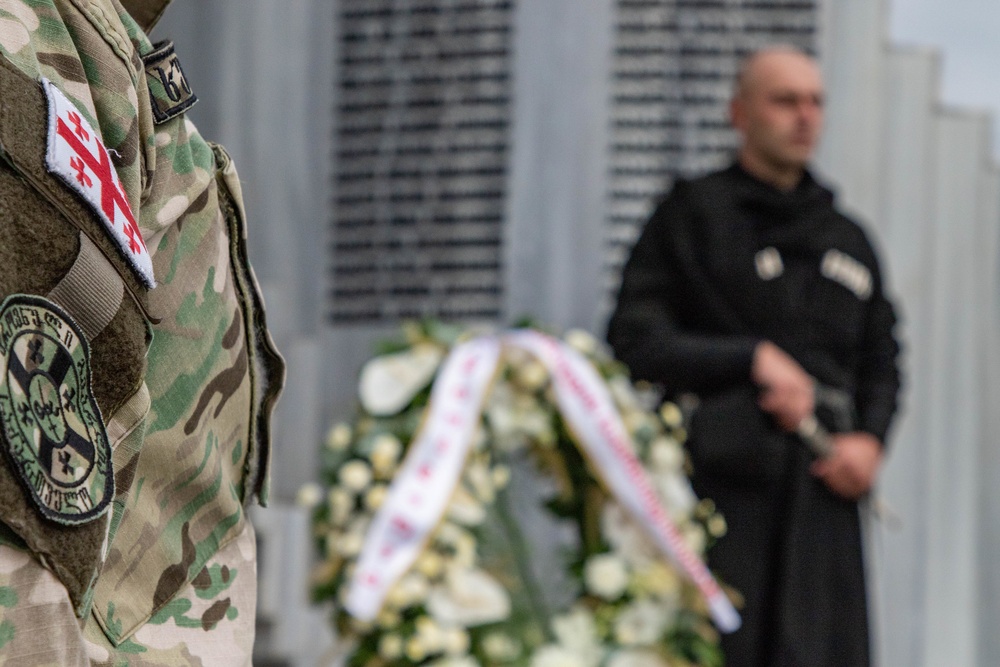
x,y
134,404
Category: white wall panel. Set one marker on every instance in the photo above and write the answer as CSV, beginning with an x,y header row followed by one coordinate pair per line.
x,y
906,213
952,507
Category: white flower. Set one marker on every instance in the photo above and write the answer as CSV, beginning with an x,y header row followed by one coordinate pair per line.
x,y
666,455
388,383
309,495
531,376
717,526
659,580
468,598
623,393
625,536
694,536
430,634
355,475
501,476
576,632
456,641
390,647
464,509
352,541
555,656
452,661
478,477
671,415
636,658
606,576
339,437
501,647
429,564
385,453
415,648
376,496
678,496
409,590
641,623
341,505
581,341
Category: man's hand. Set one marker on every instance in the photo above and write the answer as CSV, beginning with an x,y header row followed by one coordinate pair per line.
x,y
787,391
850,471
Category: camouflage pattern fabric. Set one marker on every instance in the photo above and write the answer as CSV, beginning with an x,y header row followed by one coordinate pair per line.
x,y
209,622
184,374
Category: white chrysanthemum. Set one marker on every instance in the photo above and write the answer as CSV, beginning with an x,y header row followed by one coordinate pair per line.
x,y
665,455
390,647
411,589
626,537
355,475
375,496
555,656
339,437
415,648
642,623
717,526
606,576
677,495
431,634
465,509
531,375
694,536
341,505
501,647
309,495
636,658
385,454
659,580
671,414
456,642
501,476
623,393
468,598
353,539
430,564
454,661
577,632
581,341
478,476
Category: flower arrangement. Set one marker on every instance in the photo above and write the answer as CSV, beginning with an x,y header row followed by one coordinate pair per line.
x,y
473,596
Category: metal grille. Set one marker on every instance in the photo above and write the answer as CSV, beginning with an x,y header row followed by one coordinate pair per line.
x,y
674,63
421,159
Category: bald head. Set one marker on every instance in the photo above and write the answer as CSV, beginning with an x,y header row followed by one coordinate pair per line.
x,y
777,108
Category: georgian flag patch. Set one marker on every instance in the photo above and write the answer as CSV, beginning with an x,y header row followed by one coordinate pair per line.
x,y
76,154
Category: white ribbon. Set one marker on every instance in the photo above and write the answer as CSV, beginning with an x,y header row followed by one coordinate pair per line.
x,y
419,495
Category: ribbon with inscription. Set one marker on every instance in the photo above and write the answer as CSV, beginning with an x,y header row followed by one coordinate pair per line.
x,y
419,495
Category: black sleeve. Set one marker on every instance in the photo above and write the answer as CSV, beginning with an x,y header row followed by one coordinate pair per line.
x,y
878,370
646,330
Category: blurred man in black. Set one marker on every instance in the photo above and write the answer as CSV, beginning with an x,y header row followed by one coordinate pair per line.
x,y
749,289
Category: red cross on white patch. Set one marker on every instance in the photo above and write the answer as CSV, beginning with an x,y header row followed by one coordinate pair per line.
x,y
76,154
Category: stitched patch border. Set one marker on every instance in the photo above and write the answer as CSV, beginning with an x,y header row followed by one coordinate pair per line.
x,y
76,154
54,435
170,93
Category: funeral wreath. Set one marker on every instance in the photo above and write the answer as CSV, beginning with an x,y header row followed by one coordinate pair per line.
x,y
512,500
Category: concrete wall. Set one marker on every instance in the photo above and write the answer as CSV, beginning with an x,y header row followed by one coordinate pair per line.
x,y
923,175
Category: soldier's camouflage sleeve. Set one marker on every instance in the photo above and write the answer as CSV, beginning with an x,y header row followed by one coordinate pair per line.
x,y
137,376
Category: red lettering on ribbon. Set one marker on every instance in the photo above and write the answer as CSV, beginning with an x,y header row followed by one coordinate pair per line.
x,y
111,193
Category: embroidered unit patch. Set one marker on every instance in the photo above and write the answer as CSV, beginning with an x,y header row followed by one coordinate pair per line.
x,y
54,436
169,91
77,156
